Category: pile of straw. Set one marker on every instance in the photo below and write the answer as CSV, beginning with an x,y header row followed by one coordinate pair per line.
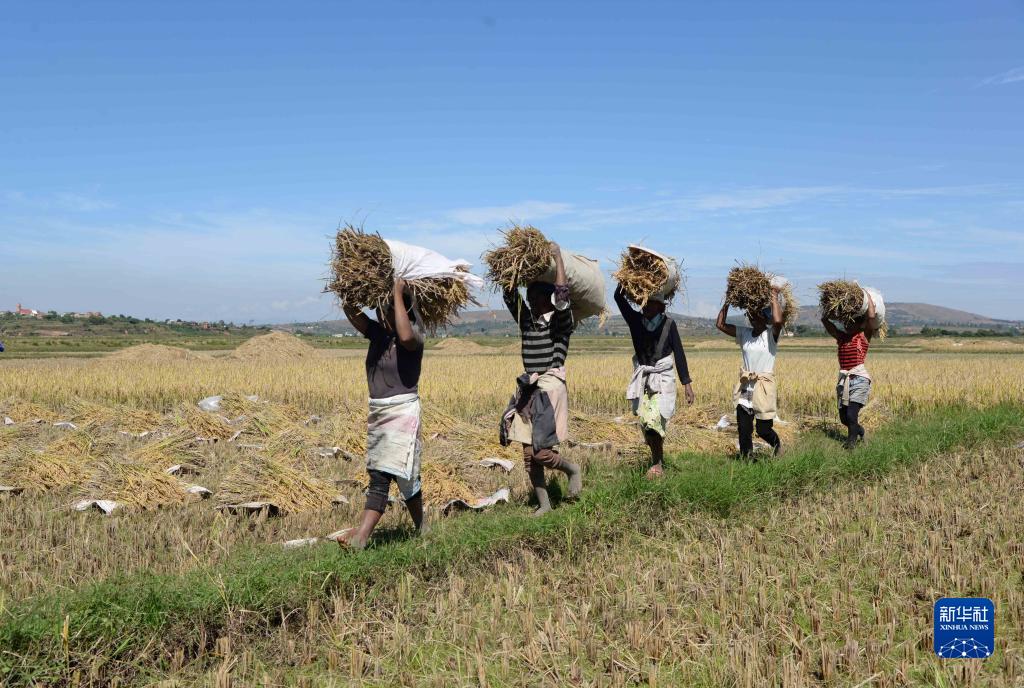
x,y
750,289
441,484
273,346
177,448
21,411
135,486
642,275
363,276
208,426
522,258
262,479
42,470
840,300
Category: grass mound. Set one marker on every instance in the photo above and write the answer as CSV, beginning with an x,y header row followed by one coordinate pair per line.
x,y
273,346
523,258
261,479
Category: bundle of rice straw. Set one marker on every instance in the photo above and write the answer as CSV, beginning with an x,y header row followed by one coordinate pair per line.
x,y
135,486
750,289
841,300
363,276
42,470
177,448
642,275
21,411
208,426
522,258
441,484
262,479
261,418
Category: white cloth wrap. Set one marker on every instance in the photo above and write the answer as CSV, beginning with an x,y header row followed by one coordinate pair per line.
x,y
844,381
393,437
415,262
658,379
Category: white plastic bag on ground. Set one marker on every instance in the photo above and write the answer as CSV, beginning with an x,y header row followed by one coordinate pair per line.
x,y
415,262
210,404
586,284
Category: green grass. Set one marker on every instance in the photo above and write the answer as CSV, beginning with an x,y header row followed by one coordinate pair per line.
x,y
118,618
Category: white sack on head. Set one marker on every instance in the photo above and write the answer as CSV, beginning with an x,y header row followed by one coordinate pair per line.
x,y
415,262
672,282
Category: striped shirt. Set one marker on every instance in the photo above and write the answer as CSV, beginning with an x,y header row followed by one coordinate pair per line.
x,y
853,349
545,340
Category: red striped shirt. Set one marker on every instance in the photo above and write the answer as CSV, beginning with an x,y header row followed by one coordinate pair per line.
x,y
852,351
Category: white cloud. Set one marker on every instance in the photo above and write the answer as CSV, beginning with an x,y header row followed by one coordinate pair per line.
x,y
500,214
1010,76
759,199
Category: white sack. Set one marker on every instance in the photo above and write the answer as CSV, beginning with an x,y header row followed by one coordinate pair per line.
x,y
586,284
415,262
876,296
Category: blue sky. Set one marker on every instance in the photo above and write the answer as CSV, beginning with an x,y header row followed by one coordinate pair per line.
x,y
191,159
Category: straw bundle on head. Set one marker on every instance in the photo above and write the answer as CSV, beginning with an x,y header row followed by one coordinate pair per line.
x,y
642,275
524,257
362,274
135,486
261,479
439,300
841,300
750,289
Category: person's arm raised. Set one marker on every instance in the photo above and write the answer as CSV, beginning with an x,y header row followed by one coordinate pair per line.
x,y
722,325
777,321
407,336
356,318
871,322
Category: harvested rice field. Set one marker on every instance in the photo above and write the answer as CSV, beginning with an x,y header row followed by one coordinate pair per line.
x,y
214,490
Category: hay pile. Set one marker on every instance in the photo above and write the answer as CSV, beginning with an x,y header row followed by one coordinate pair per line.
x,y
203,425
21,411
363,276
642,275
262,479
135,486
750,289
453,345
151,352
523,258
273,346
441,484
46,469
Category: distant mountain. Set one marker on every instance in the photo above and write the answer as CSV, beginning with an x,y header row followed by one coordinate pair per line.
x,y
900,314
498,323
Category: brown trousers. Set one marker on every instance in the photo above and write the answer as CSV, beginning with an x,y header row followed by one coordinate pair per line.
x,y
537,460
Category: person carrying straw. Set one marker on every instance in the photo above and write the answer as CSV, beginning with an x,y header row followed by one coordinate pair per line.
x,y
755,394
394,357
854,383
657,352
537,416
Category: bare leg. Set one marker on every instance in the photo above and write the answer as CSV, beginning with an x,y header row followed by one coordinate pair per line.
x,y
657,444
359,536
415,506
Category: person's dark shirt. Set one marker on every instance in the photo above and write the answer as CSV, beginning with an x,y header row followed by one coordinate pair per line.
x,y
645,342
391,369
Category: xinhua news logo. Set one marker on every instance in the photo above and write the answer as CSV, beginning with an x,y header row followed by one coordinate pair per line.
x,y
965,627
